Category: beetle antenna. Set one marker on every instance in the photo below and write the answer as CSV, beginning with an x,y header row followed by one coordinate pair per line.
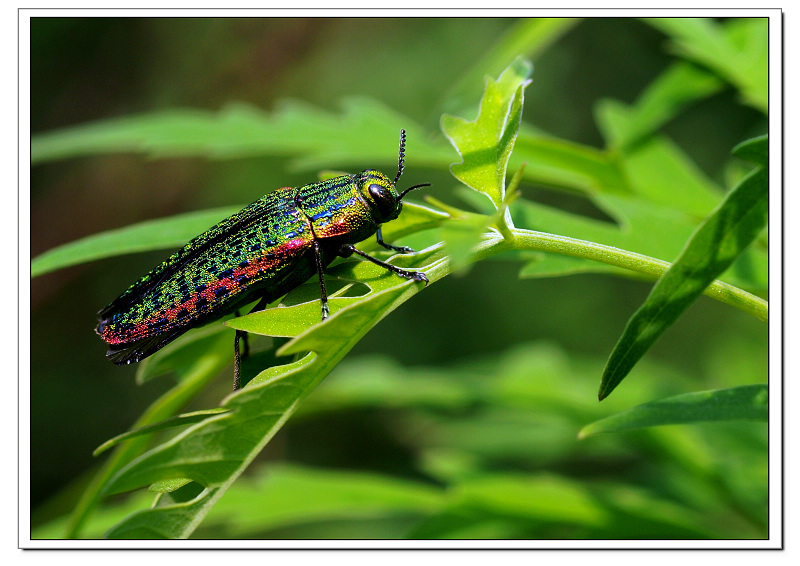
x,y
401,159
411,189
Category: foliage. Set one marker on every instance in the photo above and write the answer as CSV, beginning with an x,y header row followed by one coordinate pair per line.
x,y
471,426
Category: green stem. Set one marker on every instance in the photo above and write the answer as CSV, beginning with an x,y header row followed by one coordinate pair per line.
x,y
530,240
724,292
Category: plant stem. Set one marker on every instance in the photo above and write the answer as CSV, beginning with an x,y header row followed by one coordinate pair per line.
x,y
530,240
724,292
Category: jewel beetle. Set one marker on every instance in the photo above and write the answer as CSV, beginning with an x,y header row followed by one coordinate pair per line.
x,y
259,254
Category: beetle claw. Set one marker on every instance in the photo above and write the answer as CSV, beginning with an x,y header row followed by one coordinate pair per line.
x,y
416,276
398,249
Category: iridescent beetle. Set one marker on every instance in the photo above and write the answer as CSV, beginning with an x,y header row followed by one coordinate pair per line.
x,y
259,254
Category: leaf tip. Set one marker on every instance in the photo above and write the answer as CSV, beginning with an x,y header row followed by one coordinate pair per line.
x,y
102,448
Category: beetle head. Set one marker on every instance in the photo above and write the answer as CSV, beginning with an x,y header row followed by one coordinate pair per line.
x,y
382,193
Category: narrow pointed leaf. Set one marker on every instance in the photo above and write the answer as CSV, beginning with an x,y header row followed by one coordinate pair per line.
x,y
755,150
318,138
674,89
749,402
712,249
172,422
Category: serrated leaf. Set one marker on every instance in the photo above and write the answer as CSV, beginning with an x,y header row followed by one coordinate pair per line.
x,y
317,137
674,89
736,50
215,451
712,249
193,378
562,163
749,402
485,144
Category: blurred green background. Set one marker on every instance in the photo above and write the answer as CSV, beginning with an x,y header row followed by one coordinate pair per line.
x,y
85,69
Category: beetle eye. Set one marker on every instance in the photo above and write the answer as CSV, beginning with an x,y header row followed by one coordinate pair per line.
x,y
384,201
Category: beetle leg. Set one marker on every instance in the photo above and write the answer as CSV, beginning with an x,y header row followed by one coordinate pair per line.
x,y
237,360
242,334
401,249
348,249
320,272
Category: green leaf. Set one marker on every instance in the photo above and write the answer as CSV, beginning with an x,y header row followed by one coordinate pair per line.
x,y
511,505
182,353
476,420
664,193
565,164
755,150
168,486
712,249
485,146
176,421
737,51
320,138
540,497
282,495
662,173
677,87
193,378
749,402
486,143
633,220
460,238
164,233
215,451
